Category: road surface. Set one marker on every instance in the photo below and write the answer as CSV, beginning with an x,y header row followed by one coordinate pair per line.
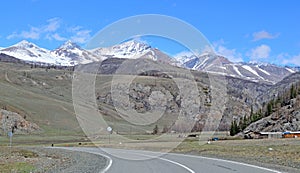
x,y
135,161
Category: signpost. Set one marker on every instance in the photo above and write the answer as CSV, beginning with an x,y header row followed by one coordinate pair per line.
x,y
109,129
10,134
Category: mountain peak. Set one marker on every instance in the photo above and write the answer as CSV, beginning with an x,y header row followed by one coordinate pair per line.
x,y
25,44
69,45
135,44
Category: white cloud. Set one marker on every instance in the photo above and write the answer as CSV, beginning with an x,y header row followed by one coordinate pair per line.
x,y
287,60
50,31
53,25
80,35
56,37
36,32
264,35
231,54
11,36
260,52
33,33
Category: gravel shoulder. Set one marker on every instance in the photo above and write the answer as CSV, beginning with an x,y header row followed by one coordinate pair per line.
x,y
49,160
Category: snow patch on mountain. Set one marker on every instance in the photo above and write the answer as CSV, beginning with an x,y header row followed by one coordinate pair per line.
x,y
252,71
264,71
290,70
237,70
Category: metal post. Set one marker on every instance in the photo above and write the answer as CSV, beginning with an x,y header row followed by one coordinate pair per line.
x,y
10,141
109,130
109,138
10,134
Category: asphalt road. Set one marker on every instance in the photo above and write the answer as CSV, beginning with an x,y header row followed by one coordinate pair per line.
x,y
135,161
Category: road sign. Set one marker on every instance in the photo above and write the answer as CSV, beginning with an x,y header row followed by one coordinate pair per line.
x,y
109,129
10,134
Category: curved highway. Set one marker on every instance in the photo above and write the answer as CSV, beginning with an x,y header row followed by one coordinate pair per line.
x,y
136,161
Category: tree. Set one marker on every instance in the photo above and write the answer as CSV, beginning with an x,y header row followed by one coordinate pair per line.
x,y
234,128
293,92
243,124
269,109
155,130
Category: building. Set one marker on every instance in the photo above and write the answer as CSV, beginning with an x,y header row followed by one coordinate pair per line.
x,y
270,135
262,135
291,134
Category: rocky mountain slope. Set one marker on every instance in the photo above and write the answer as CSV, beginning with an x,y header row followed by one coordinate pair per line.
x,y
240,94
282,107
286,118
257,72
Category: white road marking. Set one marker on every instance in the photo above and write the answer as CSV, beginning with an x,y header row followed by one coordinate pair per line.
x,y
109,163
215,159
167,160
228,161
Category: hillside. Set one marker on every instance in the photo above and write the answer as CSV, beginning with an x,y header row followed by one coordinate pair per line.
x,y
41,96
282,112
44,96
240,94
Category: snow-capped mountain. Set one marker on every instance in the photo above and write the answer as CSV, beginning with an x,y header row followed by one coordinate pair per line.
x,y
130,50
70,54
257,72
30,52
75,54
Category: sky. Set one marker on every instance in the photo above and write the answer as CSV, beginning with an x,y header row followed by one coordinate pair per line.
x,y
241,30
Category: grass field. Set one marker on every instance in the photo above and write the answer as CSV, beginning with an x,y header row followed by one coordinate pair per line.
x,y
12,160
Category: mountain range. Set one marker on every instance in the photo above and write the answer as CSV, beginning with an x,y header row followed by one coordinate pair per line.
x,y
70,54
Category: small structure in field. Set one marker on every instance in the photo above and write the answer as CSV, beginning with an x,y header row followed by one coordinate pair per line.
x,y
270,135
291,134
262,135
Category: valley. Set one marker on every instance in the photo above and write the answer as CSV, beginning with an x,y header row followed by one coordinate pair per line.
x,y
37,105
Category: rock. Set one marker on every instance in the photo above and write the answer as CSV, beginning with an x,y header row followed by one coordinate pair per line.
x,y
11,121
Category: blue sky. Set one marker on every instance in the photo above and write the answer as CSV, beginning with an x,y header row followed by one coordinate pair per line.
x,y
247,30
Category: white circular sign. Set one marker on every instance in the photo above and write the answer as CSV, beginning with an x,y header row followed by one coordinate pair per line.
x,y
10,134
109,129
